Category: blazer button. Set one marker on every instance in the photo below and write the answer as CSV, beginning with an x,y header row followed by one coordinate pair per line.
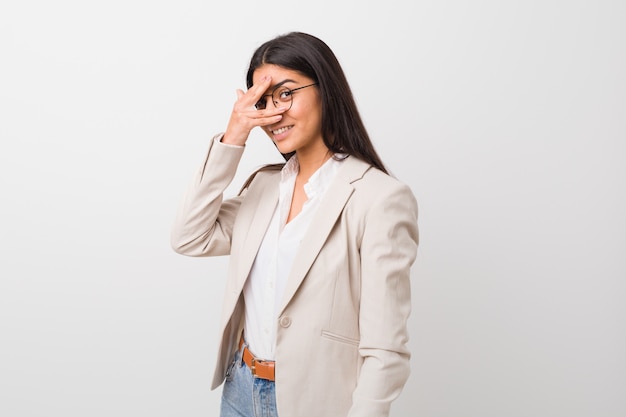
x,y
285,321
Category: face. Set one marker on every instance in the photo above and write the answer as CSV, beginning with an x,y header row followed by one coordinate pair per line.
x,y
300,128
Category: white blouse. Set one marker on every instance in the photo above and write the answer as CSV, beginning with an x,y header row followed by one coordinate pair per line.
x,y
265,285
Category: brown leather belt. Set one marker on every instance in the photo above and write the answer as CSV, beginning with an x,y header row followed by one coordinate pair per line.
x,y
259,368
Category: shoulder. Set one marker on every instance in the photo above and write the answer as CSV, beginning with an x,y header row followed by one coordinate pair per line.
x,y
376,185
375,193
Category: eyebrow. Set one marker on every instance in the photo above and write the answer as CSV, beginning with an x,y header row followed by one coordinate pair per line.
x,y
275,86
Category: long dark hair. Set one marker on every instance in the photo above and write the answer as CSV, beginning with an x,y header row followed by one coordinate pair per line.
x,y
343,130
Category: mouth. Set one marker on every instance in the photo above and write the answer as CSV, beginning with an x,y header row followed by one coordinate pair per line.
x,y
281,130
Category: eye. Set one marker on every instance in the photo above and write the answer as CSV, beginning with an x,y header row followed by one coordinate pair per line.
x,y
284,94
261,104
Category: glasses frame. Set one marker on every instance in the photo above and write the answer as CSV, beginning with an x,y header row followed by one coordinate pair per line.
x,y
291,90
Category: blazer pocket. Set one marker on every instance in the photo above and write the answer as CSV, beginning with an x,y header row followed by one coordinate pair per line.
x,y
340,338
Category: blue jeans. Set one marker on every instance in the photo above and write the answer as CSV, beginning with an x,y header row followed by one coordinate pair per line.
x,y
246,396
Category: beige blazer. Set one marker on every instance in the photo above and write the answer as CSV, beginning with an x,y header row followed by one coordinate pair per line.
x,y
341,339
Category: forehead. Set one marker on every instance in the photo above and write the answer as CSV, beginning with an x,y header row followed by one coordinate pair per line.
x,y
277,73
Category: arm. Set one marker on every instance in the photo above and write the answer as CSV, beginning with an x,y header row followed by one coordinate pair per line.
x,y
204,222
388,250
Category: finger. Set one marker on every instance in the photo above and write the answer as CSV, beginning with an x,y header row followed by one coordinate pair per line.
x,y
270,111
257,90
269,120
256,115
262,84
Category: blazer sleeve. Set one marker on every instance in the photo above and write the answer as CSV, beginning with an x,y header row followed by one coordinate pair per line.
x,y
388,250
204,221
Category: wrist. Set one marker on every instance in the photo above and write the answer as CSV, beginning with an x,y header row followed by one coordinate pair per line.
x,y
224,140
232,139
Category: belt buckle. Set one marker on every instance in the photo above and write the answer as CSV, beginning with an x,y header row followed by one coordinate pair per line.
x,y
253,362
253,366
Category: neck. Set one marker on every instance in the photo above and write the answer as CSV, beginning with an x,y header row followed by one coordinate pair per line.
x,y
309,163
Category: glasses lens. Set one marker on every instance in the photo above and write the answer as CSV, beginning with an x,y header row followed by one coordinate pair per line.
x,y
261,104
282,97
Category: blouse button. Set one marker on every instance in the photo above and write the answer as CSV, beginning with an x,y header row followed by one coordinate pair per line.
x,y
285,321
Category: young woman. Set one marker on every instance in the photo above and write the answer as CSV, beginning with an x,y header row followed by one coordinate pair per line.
x,y
318,294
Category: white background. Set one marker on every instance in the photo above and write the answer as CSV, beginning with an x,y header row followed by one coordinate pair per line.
x,y
507,119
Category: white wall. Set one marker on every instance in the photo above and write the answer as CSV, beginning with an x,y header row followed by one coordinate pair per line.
x,y
508,120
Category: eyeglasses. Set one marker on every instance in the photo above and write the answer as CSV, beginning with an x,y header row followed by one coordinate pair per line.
x,y
281,96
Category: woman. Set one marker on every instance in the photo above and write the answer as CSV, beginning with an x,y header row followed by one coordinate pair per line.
x,y
318,296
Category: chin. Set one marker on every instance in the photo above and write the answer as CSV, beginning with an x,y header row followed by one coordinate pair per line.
x,y
284,148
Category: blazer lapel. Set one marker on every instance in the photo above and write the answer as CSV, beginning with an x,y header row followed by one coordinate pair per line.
x,y
267,198
327,214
